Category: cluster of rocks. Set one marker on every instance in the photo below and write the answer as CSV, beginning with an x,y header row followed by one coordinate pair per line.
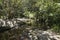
x,y
12,22
6,24
40,35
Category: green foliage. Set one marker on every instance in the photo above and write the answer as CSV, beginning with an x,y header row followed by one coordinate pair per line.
x,y
57,1
45,13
